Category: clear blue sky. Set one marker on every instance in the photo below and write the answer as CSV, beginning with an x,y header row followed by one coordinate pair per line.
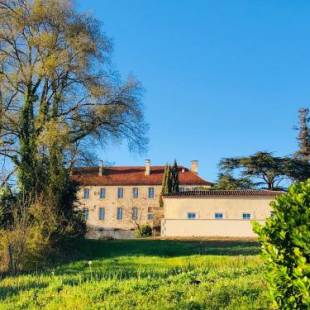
x,y
221,78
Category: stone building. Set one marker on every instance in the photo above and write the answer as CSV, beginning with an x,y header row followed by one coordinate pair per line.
x,y
115,200
215,213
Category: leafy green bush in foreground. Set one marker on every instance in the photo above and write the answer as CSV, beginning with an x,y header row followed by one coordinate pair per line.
x,y
285,242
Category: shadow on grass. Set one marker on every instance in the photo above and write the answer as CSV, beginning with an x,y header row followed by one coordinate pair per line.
x,y
118,255
12,290
96,249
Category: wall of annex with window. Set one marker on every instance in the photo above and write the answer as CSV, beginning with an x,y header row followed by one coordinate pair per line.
x,y
243,209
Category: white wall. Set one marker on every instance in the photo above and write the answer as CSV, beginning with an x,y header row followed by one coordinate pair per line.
x,y
176,223
207,228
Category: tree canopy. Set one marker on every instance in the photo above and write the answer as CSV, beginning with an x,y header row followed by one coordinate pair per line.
x,y
262,167
263,170
229,182
57,88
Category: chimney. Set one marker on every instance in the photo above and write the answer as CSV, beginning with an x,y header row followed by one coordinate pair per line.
x,y
194,167
147,167
101,168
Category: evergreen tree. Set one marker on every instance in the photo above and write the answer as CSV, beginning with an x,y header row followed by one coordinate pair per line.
x,y
261,168
229,182
166,184
175,178
304,135
7,201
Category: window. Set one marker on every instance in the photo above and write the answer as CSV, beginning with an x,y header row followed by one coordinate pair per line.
x,y
85,214
150,216
191,215
246,216
134,213
86,193
135,192
120,193
218,216
119,214
101,214
151,193
102,193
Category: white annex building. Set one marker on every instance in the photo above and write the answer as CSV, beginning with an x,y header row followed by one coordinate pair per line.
x,y
215,213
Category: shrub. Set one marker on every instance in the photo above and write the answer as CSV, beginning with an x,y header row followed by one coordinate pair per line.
x,y
25,245
143,231
285,240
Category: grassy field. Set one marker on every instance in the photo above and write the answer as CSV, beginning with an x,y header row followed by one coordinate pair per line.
x,y
145,274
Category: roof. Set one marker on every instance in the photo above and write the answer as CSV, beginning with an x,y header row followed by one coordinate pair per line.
x,y
225,193
132,175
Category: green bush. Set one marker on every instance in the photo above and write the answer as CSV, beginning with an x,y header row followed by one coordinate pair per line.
x,y
143,231
285,240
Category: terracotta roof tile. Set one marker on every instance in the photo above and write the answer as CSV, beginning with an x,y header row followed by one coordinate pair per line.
x,y
220,193
132,175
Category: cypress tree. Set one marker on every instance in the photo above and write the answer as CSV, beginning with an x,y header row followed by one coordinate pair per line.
x,y
166,184
175,178
304,135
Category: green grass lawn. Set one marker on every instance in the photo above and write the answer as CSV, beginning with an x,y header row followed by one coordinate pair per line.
x,y
145,274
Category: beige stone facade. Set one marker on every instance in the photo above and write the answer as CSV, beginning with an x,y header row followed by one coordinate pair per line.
x,y
117,216
215,215
147,209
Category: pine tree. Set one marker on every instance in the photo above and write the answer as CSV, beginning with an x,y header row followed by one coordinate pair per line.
x,y
304,135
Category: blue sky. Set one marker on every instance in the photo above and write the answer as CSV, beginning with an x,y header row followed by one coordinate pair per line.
x,y
221,78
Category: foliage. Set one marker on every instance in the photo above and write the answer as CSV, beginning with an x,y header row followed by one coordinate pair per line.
x,y
60,192
144,231
286,248
166,184
265,167
228,182
36,230
304,135
57,94
57,89
7,200
145,274
25,244
297,169
175,178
